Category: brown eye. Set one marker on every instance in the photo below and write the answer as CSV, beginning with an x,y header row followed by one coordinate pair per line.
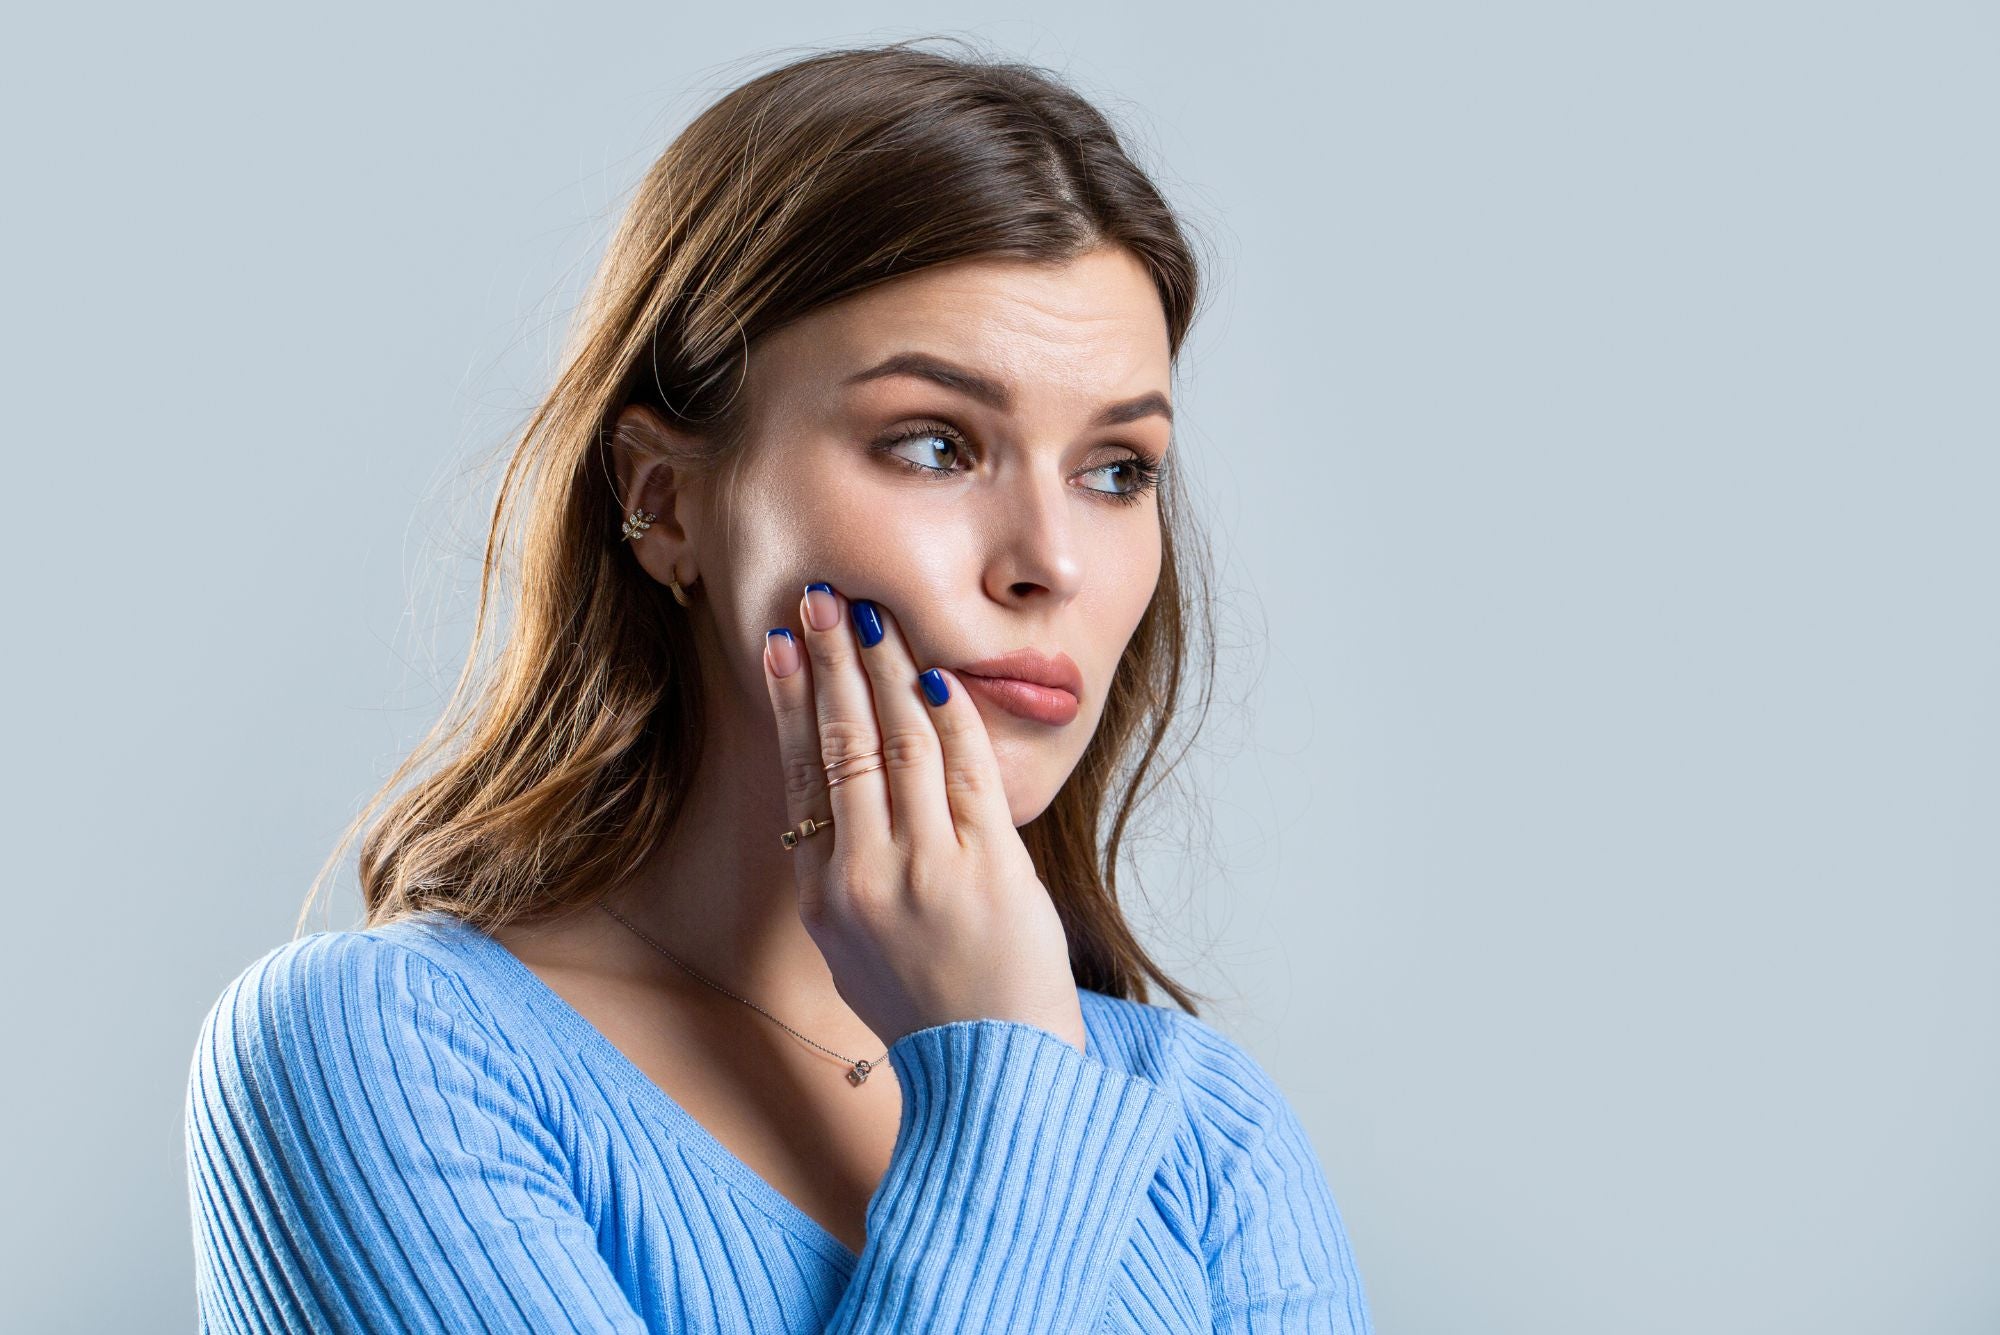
x,y
938,451
1142,475
929,442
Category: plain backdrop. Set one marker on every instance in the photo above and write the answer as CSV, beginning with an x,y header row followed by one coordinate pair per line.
x,y
1594,414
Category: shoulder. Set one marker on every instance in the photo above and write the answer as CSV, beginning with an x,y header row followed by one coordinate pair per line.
x,y
300,980
1223,1083
1232,1110
1213,1073
336,1015
1272,1237
416,954
1132,1037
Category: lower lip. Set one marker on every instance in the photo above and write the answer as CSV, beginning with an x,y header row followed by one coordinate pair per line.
x,y
1043,704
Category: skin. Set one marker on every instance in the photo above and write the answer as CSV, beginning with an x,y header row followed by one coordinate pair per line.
x,y
1018,541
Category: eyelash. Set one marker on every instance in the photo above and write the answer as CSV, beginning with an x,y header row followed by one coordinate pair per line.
x,y
1147,471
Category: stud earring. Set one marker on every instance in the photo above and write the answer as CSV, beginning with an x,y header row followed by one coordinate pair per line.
x,y
636,523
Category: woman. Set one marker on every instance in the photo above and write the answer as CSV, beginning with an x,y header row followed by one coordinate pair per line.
x,y
848,597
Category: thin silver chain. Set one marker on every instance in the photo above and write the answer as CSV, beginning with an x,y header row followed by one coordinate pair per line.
x,y
857,1068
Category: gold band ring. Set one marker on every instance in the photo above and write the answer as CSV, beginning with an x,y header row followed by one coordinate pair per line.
x,y
808,827
834,782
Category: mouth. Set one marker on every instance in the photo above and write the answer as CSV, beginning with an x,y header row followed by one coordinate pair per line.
x,y
1044,688
1043,704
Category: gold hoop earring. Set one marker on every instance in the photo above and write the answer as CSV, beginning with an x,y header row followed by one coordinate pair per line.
x,y
680,594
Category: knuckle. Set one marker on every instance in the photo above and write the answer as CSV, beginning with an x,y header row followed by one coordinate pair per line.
x,y
842,740
928,881
908,747
821,910
832,646
963,776
851,892
802,776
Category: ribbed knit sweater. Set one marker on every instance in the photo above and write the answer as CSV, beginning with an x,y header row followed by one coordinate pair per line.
x,y
405,1129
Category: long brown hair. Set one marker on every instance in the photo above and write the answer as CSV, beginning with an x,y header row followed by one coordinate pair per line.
x,y
560,764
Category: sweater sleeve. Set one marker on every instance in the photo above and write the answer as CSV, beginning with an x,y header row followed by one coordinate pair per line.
x,y
1018,1174
362,1156
1275,1246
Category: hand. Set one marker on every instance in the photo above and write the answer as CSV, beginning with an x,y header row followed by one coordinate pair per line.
x,y
921,894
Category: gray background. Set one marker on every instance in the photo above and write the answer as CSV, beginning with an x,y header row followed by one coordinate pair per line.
x,y
1595,418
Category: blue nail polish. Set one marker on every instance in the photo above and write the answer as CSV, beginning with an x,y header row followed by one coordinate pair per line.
x,y
777,630
866,623
823,588
935,689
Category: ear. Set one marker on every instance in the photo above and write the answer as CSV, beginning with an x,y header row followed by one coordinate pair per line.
x,y
643,448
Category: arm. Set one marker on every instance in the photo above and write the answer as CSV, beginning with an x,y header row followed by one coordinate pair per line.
x,y
362,1157
1277,1252
1018,1174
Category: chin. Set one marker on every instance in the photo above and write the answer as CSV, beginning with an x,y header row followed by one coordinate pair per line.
x,y
1030,788
1034,764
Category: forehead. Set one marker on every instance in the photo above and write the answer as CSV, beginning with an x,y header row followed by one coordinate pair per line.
x,y
1088,330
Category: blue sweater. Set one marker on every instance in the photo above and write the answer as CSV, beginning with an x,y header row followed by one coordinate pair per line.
x,y
405,1129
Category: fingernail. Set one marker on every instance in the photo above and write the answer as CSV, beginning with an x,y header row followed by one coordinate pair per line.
x,y
935,689
866,623
821,609
782,650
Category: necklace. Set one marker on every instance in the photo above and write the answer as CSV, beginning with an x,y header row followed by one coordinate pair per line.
x,y
857,1070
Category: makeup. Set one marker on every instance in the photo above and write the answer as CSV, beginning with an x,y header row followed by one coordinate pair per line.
x,y
1043,704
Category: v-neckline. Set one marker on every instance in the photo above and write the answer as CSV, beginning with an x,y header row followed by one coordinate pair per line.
x,y
571,1022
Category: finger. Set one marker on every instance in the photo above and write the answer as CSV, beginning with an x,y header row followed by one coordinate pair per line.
x,y
788,676
972,784
912,755
848,735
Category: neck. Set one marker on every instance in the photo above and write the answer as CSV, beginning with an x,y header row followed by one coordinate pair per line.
x,y
720,891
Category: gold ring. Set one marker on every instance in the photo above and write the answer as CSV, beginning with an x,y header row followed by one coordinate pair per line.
x,y
851,760
835,783
807,828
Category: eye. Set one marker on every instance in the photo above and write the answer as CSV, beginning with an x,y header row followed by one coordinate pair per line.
x,y
928,442
1142,475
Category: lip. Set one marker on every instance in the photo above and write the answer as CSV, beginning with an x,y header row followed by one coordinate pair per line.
x,y
1043,704
1028,683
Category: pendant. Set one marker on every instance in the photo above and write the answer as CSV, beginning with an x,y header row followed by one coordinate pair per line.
x,y
859,1073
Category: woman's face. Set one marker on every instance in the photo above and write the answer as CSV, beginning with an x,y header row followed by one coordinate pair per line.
x,y
1012,513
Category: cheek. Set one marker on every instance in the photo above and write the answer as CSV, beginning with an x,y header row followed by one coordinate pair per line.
x,y
1125,573
781,513
822,514
1124,577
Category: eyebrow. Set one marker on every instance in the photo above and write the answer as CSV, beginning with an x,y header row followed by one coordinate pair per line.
x,y
994,394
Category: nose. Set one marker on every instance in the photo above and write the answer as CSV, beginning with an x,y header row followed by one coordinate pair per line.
x,y
1033,550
